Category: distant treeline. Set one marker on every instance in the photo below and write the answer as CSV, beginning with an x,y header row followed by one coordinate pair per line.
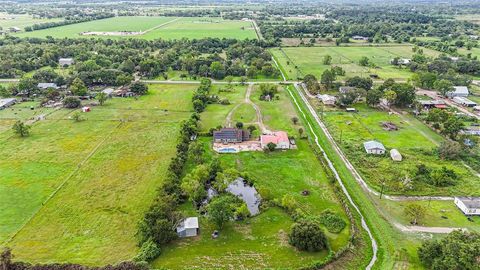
x,y
73,20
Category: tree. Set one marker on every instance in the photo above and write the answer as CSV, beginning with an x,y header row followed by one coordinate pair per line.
x,y
220,210
458,250
359,82
295,120
311,83
71,102
390,96
364,61
78,87
443,86
4,92
405,94
328,78
452,126
414,212
217,70
449,150
27,86
196,151
21,129
251,128
123,79
373,97
271,146
193,184
307,235
139,88
102,98
327,59
300,131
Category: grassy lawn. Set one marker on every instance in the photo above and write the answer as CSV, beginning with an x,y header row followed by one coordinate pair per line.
x,y
415,141
100,174
21,20
299,61
262,241
154,28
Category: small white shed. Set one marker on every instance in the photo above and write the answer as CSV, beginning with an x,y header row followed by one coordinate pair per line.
x,y
395,155
374,147
188,228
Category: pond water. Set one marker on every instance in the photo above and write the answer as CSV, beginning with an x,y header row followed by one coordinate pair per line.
x,y
247,193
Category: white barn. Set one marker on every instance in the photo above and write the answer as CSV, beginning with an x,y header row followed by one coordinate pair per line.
x,y
395,155
469,205
188,228
374,147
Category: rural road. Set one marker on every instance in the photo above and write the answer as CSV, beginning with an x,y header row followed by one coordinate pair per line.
x,y
434,95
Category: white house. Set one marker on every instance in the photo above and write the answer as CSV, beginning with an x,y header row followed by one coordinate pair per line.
x,y
7,102
469,205
374,147
395,155
279,138
65,62
188,227
327,99
459,91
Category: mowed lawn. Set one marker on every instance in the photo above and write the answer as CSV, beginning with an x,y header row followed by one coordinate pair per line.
x,y
21,20
415,141
100,174
154,28
299,61
261,242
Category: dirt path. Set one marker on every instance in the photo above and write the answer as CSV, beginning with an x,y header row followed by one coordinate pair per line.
x,y
160,25
422,229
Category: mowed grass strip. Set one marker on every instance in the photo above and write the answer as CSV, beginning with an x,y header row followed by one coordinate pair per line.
x,y
92,219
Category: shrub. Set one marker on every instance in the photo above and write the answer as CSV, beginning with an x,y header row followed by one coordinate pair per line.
x,y
332,222
148,252
71,102
307,235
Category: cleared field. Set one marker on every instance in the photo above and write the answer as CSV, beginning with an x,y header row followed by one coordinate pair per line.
x,y
474,18
81,187
153,28
21,20
300,61
261,241
415,141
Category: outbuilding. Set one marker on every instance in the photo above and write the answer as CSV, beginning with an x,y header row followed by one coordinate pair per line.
x,y
65,62
327,99
395,155
464,101
374,147
108,91
188,227
458,91
470,206
47,85
7,102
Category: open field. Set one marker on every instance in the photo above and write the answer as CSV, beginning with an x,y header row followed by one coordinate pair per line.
x,y
474,18
415,141
21,20
299,61
152,28
261,241
81,187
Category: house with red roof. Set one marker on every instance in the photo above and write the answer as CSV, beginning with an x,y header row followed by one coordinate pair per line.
x,y
279,138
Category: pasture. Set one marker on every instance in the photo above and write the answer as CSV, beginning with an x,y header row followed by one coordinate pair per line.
x,y
152,28
415,141
21,20
81,187
299,61
261,241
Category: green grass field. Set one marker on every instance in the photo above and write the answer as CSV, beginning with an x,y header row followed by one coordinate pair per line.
x,y
21,20
154,28
299,61
261,241
85,185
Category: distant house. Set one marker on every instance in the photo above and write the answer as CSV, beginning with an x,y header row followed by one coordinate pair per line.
x,y
47,85
351,110
188,227
279,138
470,206
7,102
374,147
459,91
360,38
401,61
108,91
14,29
454,58
66,62
429,104
230,135
464,101
395,155
327,99
345,89
474,131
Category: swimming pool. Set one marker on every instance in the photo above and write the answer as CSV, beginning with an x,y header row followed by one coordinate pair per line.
x,y
228,150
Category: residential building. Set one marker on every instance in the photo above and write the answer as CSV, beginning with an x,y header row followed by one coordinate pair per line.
x,y
374,147
469,205
459,91
327,99
429,104
47,85
65,62
188,227
360,38
279,138
7,102
230,135
401,61
464,101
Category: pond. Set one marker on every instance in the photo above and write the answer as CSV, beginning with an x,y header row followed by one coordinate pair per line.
x,y
247,193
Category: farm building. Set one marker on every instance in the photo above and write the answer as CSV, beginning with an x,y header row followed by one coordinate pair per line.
x,y
108,91
469,205
65,62
360,38
471,131
279,138
7,102
459,91
395,155
429,104
123,92
345,89
464,101
230,135
47,85
188,227
327,99
374,147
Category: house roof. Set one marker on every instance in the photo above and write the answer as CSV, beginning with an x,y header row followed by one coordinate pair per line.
x,y
276,138
370,145
464,100
47,85
460,90
470,202
65,60
188,223
7,101
432,102
228,134
108,91
346,88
